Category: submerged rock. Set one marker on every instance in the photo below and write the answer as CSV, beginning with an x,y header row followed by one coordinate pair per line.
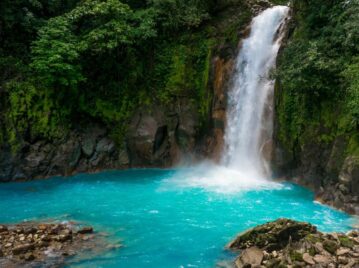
x,y
288,243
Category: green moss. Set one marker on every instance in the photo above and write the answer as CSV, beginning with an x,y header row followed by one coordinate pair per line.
x,y
346,242
279,2
32,112
313,238
312,251
353,145
330,246
295,256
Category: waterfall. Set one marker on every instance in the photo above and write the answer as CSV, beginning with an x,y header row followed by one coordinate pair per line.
x,y
249,115
249,108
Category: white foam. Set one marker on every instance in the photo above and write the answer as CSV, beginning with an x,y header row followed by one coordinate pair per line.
x,y
220,179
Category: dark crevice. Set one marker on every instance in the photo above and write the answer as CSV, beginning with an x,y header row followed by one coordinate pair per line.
x,y
160,137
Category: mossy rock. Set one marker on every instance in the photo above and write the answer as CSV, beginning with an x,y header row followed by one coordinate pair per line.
x,y
346,242
273,235
330,246
296,256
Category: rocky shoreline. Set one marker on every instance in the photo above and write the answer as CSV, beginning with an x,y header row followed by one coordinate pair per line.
x,y
32,244
288,243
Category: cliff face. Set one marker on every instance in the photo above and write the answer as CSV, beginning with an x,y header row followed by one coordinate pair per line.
x,y
316,137
186,125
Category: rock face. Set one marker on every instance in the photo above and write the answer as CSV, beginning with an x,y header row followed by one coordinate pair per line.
x,y
287,243
80,151
160,136
156,137
44,244
322,168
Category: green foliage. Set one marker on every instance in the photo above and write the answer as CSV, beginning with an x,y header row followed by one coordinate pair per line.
x,y
182,70
175,14
318,74
20,19
56,56
64,62
351,75
30,113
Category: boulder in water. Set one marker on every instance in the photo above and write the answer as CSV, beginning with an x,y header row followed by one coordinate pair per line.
x,y
273,236
288,243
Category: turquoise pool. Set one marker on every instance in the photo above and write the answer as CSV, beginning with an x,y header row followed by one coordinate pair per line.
x,y
164,218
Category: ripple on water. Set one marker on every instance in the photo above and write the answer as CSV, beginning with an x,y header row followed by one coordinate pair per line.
x,y
164,218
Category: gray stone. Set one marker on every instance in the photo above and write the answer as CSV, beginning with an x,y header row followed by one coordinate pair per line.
x,y
88,146
251,256
308,259
105,145
342,251
321,259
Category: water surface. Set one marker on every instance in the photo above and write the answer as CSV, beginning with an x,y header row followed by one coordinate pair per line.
x,y
162,219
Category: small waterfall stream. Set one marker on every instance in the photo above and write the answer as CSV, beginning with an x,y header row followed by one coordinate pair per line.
x,y
249,108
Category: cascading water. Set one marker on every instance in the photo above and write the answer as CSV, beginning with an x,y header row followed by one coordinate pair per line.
x,y
248,125
249,115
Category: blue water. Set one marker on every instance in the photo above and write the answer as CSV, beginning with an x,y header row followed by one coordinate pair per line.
x,y
160,223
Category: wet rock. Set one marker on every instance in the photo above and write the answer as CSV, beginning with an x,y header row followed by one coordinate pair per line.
x,y
273,236
35,243
22,249
309,248
61,156
85,230
42,227
3,229
105,145
250,257
88,145
63,237
29,257
30,230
